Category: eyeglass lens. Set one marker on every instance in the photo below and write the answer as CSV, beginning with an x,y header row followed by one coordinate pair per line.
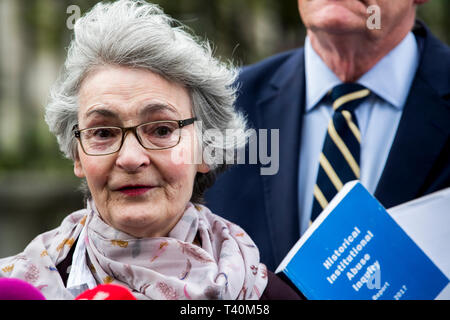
x,y
155,135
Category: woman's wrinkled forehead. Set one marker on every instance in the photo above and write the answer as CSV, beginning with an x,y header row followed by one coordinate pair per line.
x,y
147,111
126,93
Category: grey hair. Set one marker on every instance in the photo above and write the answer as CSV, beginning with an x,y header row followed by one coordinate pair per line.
x,y
138,34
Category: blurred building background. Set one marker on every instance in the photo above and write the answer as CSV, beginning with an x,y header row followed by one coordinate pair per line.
x,y
37,185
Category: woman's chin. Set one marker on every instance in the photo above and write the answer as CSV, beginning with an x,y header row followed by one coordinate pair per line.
x,y
141,219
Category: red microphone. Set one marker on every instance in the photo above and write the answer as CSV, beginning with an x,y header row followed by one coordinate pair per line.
x,y
106,292
16,289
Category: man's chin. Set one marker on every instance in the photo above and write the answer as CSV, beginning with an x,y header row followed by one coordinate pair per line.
x,y
339,26
336,18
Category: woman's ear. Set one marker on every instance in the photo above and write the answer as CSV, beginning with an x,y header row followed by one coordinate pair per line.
x,y
78,168
203,167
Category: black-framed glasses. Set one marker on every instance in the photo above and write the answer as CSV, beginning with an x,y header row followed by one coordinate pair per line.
x,y
154,135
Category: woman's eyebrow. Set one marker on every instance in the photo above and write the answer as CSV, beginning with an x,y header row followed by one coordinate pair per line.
x,y
152,108
148,110
107,113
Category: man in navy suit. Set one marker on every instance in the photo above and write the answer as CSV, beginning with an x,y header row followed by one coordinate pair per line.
x,y
404,123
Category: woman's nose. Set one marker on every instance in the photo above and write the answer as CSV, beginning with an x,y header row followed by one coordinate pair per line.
x,y
132,156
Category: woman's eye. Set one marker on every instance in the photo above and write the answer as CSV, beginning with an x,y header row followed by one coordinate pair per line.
x,y
162,131
104,133
158,131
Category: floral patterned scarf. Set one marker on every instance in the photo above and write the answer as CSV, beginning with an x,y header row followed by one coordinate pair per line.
x,y
224,266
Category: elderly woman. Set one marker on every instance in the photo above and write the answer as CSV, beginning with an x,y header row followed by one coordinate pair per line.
x,y
135,97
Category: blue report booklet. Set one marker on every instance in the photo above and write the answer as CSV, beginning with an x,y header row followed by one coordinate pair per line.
x,y
355,250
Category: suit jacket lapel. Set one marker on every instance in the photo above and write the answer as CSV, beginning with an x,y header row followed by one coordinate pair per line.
x,y
281,107
420,137
423,129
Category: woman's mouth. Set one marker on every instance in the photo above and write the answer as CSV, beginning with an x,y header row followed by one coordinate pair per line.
x,y
134,191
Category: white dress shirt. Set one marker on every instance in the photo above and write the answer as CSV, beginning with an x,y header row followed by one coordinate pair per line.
x,y
378,116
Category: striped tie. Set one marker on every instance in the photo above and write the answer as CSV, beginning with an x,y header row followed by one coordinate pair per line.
x,y
339,160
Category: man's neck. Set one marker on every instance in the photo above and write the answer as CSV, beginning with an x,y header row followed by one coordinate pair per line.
x,y
350,57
